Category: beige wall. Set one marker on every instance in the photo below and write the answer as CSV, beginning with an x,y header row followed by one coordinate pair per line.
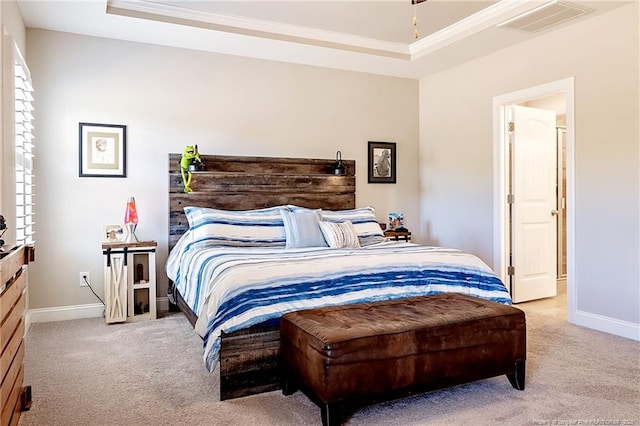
x,y
456,131
170,98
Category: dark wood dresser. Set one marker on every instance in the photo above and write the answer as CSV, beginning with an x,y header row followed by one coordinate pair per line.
x,y
14,397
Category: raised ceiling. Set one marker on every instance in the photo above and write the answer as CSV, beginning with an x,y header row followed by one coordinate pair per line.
x,y
360,35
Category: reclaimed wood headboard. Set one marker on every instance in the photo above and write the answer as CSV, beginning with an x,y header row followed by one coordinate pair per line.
x,y
244,183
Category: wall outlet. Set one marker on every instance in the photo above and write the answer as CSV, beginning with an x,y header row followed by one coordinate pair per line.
x,y
83,276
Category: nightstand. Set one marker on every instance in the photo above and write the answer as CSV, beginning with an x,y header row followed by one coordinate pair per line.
x,y
396,236
130,281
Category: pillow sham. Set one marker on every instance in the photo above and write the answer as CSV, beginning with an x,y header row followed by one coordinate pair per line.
x,y
244,228
364,221
302,228
340,234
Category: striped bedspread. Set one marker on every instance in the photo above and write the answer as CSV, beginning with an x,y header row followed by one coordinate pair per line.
x,y
231,288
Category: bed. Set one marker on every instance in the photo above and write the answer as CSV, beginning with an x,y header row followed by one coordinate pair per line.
x,y
262,236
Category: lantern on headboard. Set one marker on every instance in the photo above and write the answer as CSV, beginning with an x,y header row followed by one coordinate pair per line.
x,y
339,167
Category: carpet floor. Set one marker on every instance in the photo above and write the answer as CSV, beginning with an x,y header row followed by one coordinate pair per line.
x,y
84,372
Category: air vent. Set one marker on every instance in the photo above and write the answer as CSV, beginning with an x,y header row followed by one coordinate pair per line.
x,y
544,17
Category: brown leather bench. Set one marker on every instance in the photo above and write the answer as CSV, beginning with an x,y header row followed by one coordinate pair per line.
x,y
344,356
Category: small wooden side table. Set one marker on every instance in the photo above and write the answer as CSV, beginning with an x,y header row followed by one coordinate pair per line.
x,y
130,281
396,236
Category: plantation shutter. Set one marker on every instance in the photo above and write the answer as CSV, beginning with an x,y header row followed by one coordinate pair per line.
x,y
24,151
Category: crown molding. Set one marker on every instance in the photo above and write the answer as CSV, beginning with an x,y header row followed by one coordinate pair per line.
x,y
257,28
486,18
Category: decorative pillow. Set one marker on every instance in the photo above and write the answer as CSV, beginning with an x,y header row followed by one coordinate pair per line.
x,y
245,228
364,221
340,234
302,229
294,208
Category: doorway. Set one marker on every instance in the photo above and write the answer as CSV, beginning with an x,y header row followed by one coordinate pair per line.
x,y
560,96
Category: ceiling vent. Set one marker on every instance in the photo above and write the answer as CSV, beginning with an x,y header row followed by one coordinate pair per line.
x,y
544,17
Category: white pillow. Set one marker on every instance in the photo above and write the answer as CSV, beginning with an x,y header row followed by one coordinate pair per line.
x,y
364,221
302,228
340,234
245,228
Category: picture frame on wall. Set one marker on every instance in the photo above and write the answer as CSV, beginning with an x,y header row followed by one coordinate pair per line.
x,y
382,162
102,150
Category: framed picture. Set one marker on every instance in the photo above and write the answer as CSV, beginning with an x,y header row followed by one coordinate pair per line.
x,y
396,220
113,234
103,150
382,162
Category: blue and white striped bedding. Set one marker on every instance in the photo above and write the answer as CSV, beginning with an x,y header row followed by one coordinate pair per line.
x,y
231,288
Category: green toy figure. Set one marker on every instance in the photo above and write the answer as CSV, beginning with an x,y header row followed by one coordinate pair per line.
x,y
190,161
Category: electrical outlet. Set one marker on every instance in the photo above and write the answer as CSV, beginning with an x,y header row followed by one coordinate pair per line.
x,y
85,275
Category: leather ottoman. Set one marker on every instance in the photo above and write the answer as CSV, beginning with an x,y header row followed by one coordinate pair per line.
x,y
344,356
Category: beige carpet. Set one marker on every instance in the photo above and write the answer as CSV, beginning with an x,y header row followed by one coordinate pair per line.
x,y
84,372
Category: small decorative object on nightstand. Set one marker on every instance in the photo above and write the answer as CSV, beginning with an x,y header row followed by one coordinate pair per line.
x,y
396,220
130,281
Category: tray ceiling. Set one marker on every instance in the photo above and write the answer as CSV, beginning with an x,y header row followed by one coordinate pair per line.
x,y
359,35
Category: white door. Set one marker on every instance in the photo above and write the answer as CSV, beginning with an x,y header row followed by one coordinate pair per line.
x,y
533,209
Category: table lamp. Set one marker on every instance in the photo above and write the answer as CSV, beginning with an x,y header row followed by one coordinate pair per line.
x,y
131,220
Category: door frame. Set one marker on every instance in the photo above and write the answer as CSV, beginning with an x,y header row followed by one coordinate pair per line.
x,y
501,175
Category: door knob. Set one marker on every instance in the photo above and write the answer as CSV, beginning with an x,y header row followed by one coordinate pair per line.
x,y
554,212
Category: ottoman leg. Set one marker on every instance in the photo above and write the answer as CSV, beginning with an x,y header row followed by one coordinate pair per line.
x,y
289,385
331,414
517,378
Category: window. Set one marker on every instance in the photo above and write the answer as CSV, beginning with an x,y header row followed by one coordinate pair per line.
x,y
24,151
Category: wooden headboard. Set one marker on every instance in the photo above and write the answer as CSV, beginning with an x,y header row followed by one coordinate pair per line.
x,y
244,183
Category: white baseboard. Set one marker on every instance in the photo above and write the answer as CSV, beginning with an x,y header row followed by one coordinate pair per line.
x,y
162,304
608,325
65,313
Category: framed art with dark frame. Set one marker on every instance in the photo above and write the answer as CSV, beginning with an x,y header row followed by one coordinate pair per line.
x,y
102,150
382,162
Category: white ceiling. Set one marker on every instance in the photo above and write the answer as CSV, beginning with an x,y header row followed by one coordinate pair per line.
x,y
359,35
